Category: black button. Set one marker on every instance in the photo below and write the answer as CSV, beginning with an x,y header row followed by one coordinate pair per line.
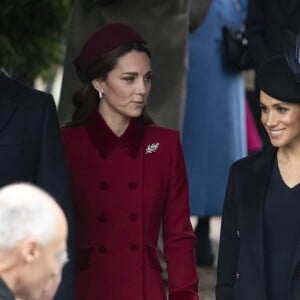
x,y
133,247
102,249
133,217
132,185
103,186
102,219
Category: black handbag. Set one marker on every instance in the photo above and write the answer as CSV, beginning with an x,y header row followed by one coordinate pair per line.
x,y
235,49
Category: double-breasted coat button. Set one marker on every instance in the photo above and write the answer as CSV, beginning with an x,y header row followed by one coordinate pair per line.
x,y
134,247
132,185
237,275
102,219
103,186
102,249
133,217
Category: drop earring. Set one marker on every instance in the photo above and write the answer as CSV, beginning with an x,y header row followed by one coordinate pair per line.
x,y
100,94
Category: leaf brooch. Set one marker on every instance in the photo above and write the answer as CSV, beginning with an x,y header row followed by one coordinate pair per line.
x,y
152,148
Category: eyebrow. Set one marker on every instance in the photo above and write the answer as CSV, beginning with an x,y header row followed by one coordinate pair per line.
x,y
276,104
135,73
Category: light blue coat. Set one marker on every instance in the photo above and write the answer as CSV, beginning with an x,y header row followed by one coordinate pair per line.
x,y
214,133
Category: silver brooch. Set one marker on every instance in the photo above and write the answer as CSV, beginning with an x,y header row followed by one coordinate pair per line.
x,y
152,148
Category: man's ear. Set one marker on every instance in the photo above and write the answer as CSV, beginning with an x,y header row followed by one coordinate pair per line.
x,y
30,250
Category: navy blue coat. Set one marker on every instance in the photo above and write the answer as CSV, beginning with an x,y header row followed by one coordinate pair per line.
x,y
241,264
265,22
31,150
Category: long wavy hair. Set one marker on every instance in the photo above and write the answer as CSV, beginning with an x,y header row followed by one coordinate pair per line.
x,y
86,99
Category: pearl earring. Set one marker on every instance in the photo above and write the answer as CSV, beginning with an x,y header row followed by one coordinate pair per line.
x,y
100,95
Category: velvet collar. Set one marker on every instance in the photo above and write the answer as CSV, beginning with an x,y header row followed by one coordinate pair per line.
x,y
105,140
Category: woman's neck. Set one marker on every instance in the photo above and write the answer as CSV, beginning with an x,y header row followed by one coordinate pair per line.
x,y
289,154
116,122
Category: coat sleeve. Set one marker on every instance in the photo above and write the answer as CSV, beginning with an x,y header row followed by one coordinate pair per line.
x,y
229,246
52,176
255,31
179,239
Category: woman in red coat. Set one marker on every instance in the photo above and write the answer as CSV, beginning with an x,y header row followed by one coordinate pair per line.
x,y
128,178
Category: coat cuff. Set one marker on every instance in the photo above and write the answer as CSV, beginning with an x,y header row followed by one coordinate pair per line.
x,y
183,295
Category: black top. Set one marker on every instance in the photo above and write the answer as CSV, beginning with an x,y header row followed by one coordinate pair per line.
x,y
282,223
5,293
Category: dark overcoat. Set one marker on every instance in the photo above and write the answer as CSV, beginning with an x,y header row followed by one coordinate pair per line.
x,y
31,150
5,292
241,264
124,189
265,22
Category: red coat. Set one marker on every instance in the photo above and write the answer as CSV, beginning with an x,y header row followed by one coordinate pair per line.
x,y
123,188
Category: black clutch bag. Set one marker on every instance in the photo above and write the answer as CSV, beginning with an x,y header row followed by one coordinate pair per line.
x,y
235,49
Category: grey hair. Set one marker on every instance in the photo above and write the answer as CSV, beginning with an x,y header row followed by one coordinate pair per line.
x,y
23,213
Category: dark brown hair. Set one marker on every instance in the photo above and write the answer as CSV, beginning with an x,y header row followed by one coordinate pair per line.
x,y
86,99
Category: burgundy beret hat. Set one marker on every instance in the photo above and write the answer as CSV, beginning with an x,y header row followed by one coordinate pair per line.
x,y
102,41
277,80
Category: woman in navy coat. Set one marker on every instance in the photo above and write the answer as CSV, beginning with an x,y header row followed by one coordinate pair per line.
x,y
128,178
259,255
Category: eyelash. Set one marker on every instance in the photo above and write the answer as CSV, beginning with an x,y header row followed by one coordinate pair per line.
x,y
263,108
131,79
280,109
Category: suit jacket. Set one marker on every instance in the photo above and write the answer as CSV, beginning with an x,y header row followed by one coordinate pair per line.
x,y
5,293
31,150
241,265
265,22
123,189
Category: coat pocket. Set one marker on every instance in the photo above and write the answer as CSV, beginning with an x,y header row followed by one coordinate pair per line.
x,y
153,258
83,257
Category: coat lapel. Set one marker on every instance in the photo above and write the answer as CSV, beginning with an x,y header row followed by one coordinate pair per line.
x,y
7,104
261,174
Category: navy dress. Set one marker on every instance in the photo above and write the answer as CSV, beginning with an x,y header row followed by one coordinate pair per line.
x,y
282,224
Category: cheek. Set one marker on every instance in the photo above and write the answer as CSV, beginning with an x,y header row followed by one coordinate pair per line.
x,y
263,118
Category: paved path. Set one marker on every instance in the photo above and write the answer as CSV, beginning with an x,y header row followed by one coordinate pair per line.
x,y
208,275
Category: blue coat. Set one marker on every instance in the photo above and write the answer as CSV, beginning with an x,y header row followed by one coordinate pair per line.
x,y
214,133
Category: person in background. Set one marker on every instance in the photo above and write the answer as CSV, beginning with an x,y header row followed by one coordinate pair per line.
x,y
214,126
32,150
259,245
128,178
265,24
33,234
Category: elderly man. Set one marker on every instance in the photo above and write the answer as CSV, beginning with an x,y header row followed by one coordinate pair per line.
x,y
33,233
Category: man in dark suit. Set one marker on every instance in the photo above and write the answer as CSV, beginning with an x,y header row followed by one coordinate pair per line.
x,y
31,150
